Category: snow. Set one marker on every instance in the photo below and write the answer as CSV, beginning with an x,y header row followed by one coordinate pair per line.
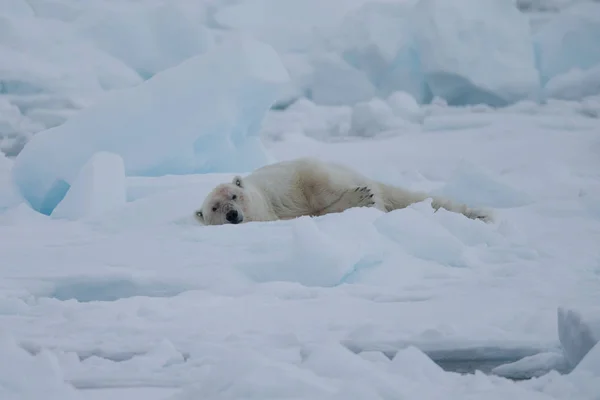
x,y
16,376
115,291
218,118
141,301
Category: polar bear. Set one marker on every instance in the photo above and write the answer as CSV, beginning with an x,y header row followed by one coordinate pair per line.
x,y
309,187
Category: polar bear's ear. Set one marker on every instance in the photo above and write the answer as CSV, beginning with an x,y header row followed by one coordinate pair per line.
x,y
199,216
237,181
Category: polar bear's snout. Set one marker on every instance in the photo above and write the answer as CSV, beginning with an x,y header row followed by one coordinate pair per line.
x,y
234,217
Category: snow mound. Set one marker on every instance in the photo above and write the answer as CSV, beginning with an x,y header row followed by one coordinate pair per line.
x,y
474,185
372,117
324,253
570,40
575,84
17,376
201,116
99,187
404,105
578,334
475,51
421,236
306,118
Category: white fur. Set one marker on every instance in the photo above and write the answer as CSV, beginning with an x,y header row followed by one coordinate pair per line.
x,y
307,186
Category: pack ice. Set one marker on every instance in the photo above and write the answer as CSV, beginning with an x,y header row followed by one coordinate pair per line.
x,y
200,116
466,52
568,52
475,51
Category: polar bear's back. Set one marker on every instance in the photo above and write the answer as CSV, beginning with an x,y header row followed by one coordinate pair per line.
x,y
288,181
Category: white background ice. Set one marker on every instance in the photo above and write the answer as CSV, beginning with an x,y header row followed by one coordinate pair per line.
x,y
216,134
120,294
60,56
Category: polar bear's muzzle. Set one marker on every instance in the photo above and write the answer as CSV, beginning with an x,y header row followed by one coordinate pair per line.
x,y
234,217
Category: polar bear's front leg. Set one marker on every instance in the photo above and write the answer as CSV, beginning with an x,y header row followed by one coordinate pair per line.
x,y
336,202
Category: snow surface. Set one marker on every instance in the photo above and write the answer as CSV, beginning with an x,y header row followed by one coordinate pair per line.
x,y
141,301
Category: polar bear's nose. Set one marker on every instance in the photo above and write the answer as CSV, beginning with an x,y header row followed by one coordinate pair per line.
x,y
232,216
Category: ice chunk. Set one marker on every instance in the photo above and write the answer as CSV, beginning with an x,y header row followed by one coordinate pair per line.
x,y
575,84
590,363
419,235
570,40
242,373
372,117
475,51
47,72
404,105
412,363
201,116
99,187
377,39
15,128
304,117
284,24
16,376
147,37
577,334
335,82
315,259
532,366
8,192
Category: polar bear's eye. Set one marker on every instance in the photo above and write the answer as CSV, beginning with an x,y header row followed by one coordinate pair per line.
x,y
234,197
214,208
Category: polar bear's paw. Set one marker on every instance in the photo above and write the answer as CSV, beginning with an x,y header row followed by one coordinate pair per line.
x,y
358,197
480,214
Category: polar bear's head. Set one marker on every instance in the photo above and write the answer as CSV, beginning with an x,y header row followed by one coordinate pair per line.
x,y
225,204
